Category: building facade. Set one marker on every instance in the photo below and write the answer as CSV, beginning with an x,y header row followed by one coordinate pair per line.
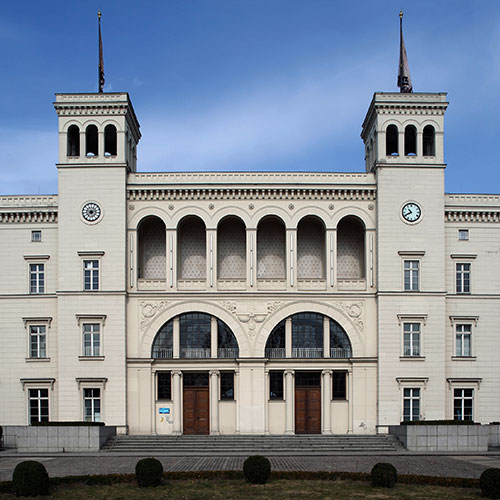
x,y
252,302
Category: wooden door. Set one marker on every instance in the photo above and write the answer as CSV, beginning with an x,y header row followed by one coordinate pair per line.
x,y
308,410
196,413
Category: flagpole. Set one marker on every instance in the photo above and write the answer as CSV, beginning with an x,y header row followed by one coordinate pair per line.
x,y
100,73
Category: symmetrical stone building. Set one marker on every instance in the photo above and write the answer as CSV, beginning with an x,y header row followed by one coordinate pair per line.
x,y
252,302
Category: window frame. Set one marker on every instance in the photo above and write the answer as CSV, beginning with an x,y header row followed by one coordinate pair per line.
x,y
33,322
91,319
462,289
39,399
411,398
415,348
345,374
94,275
92,383
411,278
464,232
37,384
276,374
464,384
455,322
168,375
36,232
463,399
227,374
421,320
413,383
92,398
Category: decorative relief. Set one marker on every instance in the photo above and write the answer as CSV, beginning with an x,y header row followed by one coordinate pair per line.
x,y
131,207
230,306
291,206
149,310
251,206
170,207
371,207
211,206
355,310
331,206
273,306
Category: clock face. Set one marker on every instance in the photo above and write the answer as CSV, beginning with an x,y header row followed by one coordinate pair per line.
x,y
411,212
91,212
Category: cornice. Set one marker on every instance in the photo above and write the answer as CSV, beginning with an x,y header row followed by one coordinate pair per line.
x,y
28,216
465,215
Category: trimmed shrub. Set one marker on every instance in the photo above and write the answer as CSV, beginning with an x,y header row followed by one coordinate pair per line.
x,y
257,469
148,472
30,479
489,482
384,474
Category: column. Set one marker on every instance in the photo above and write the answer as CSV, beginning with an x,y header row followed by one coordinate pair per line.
x,y
266,402
326,337
350,415
211,257
289,397
326,402
213,337
176,338
214,402
288,338
100,143
237,400
331,258
83,143
153,402
291,258
177,392
401,143
369,242
171,278
251,258
420,143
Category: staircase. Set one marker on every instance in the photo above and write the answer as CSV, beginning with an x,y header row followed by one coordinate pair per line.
x,y
242,445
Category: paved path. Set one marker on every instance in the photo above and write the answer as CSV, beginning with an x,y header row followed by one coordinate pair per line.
x,y
428,465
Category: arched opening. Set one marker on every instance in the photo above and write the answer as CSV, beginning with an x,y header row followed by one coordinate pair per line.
x,y
410,140
275,345
91,141
194,334
340,345
227,345
271,249
350,249
191,249
311,249
231,250
152,249
429,141
73,147
162,347
110,141
307,335
391,141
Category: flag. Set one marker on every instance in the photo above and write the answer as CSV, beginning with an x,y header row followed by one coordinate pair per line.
x,y
404,80
101,60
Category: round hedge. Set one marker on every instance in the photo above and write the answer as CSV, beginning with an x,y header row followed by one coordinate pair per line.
x,y
489,483
384,474
257,469
148,472
30,479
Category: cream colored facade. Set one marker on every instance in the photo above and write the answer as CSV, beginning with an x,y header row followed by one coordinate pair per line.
x,y
93,275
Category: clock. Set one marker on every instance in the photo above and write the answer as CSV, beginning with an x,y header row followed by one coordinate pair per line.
x,y
411,212
91,212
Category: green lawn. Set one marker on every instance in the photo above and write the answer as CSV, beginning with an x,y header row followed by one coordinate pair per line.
x,y
274,490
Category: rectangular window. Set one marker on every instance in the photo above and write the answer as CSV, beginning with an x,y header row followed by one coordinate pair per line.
x,y
37,278
38,405
91,275
38,341
92,405
411,404
164,385
463,234
463,337
463,278
91,339
411,339
36,235
227,386
463,400
411,275
339,385
276,385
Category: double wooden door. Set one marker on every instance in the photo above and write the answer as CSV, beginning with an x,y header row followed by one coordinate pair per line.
x,y
308,410
196,410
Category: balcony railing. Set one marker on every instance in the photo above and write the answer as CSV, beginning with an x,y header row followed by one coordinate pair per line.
x,y
351,284
340,352
275,352
307,352
195,352
228,352
150,284
163,353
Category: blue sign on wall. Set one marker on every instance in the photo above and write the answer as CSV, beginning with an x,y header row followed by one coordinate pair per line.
x,y
163,411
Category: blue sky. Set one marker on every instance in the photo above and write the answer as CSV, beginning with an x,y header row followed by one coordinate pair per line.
x,y
249,84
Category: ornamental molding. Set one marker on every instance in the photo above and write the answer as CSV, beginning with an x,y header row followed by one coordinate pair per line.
x,y
472,216
92,109
195,194
28,217
149,310
354,310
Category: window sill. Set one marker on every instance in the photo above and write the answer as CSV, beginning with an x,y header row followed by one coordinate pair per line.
x,y
39,360
276,400
463,358
412,358
91,358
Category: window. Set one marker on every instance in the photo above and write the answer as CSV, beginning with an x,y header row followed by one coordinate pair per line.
x,y
411,404
92,405
429,144
391,141
411,275
463,234
38,405
195,335
38,341
91,339
463,337
463,400
37,278
463,278
91,275
73,141
339,386
227,386
164,385
110,140
410,140
36,235
91,141
276,385
411,339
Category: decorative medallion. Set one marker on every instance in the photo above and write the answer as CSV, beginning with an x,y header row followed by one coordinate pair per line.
x,y
91,212
149,310
331,206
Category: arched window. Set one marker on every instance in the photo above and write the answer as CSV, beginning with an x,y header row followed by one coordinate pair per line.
x,y
271,249
151,244
307,335
227,345
73,141
350,249
391,141
340,345
110,140
310,249
191,236
410,140
163,342
275,345
231,249
429,141
195,332
91,141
